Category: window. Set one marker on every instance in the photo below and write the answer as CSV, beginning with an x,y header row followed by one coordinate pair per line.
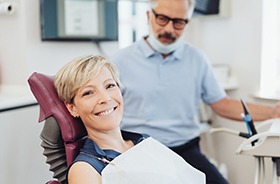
x,y
133,23
270,66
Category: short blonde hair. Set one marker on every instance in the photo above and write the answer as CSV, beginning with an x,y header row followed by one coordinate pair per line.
x,y
78,72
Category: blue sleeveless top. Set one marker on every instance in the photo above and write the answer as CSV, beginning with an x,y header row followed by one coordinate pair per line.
x,y
98,158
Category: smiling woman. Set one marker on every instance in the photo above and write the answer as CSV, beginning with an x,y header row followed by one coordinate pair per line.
x,y
98,103
89,87
92,93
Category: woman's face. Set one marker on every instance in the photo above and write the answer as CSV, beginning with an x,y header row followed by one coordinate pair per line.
x,y
99,103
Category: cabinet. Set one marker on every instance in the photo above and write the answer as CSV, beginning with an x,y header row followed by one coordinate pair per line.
x,y
21,155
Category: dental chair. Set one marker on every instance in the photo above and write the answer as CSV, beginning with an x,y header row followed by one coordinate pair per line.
x,y
62,135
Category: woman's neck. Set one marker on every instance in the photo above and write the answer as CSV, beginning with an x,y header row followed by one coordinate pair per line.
x,y
111,140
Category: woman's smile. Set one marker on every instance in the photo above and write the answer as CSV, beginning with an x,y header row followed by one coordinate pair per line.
x,y
106,112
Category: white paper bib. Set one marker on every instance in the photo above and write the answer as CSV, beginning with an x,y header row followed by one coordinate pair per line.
x,y
150,162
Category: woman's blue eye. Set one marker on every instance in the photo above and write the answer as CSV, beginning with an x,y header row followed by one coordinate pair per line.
x,y
111,85
87,93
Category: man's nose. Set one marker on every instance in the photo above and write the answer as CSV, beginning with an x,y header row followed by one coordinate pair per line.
x,y
169,28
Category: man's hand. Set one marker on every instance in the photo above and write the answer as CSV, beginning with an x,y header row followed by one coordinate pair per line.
x,y
276,111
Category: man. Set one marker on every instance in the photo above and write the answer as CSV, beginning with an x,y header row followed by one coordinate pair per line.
x,y
164,81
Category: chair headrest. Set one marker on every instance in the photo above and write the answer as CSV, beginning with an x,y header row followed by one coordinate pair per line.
x,y
50,105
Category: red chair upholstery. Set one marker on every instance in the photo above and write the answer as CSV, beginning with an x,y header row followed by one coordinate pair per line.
x,y
53,182
62,135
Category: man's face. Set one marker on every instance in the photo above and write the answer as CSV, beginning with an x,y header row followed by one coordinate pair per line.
x,y
174,9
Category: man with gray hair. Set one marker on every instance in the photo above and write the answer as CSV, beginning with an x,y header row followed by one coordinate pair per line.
x,y
164,80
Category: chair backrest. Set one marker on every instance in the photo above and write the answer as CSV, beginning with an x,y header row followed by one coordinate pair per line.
x,y
62,135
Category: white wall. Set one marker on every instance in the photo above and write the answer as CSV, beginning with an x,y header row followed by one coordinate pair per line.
x,y
21,48
234,40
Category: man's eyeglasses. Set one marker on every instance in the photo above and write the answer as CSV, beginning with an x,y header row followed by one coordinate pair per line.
x,y
163,20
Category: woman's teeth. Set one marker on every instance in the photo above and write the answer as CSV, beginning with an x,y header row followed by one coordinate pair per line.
x,y
105,112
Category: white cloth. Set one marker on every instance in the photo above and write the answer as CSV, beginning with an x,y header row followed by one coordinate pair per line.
x,y
150,162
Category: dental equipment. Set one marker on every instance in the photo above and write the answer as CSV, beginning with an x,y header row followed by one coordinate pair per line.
x,y
262,141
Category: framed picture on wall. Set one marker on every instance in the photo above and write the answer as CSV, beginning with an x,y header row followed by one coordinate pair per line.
x,y
80,20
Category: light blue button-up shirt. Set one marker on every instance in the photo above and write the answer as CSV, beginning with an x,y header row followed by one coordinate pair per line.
x,y
162,96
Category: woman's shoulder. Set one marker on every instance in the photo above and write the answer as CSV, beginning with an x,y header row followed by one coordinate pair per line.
x,y
90,153
77,174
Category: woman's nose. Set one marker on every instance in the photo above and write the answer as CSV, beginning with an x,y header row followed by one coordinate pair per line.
x,y
104,97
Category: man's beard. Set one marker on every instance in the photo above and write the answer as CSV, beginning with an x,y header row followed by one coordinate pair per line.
x,y
164,48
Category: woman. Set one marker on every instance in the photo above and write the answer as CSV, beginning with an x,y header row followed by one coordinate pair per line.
x,y
89,86
90,89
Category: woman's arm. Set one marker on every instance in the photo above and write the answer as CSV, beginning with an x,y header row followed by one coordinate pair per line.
x,y
83,173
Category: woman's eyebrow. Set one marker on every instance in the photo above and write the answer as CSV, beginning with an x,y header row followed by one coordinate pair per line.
x,y
110,79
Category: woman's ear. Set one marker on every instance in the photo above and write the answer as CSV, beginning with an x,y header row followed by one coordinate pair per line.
x,y
72,109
